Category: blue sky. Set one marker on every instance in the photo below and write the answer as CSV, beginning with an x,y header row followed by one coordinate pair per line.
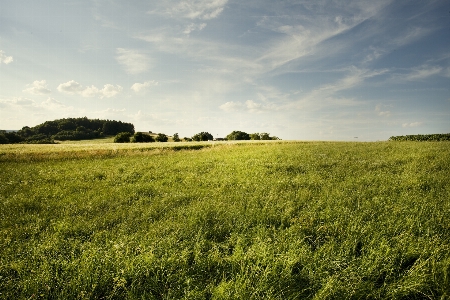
x,y
303,70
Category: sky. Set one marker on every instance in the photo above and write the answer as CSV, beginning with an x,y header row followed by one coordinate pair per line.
x,y
353,70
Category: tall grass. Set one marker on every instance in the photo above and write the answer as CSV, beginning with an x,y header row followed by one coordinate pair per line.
x,y
238,221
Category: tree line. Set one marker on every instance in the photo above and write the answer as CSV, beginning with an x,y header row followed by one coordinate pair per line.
x,y
66,129
141,137
422,137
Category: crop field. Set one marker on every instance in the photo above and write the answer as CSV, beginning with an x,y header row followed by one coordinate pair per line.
x,y
262,220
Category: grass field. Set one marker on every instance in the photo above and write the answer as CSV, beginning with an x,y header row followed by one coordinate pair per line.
x,y
278,220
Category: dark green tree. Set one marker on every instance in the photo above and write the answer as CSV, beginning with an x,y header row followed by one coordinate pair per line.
x,y
254,136
203,136
176,137
161,137
122,137
238,135
140,137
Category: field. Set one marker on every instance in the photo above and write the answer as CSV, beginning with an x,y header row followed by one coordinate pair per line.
x,y
275,220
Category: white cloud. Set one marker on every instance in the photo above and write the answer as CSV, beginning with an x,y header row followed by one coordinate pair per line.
x,y
70,87
17,101
423,72
5,59
138,87
191,27
231,106
52,102
381,112
192,9
133,61
249,105
38,88
73,87
413,124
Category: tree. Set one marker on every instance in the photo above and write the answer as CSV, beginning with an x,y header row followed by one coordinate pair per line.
x,y
162,138
140,137
265,136
176,138
186,139
202,136
254,136
122,137
238,135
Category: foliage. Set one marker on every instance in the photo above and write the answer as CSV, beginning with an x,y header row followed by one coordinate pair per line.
x,y
161,137
67,129
262,136
203,136
140,137
176,137
422,137
238,135
186,139
122,137
254,136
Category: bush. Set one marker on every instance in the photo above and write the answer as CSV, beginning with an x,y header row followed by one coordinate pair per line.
x,y
202,136
162,138
238,135
176,137
140,137
123,137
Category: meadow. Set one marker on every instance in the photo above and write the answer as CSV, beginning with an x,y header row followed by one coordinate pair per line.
x,y
254,220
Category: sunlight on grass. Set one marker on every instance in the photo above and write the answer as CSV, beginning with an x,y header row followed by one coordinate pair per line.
x,y
280,220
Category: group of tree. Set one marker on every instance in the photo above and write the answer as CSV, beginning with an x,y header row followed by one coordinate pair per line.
x,y
422,137
240,135
66,129
139,137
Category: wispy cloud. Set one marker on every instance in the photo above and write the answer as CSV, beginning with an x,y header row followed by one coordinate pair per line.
x,y
5,59
413,124
139,87
72,87
38,88
249,106
133,61
191,9
379,109
423,72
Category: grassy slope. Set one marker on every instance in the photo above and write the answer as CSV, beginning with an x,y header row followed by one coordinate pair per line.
x,y
275,220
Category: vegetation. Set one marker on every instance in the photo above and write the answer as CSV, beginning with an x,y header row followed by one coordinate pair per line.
x,y
140,137
176,137
278,220
66,129
238,135
203,136
262,136
161,137
422,137
122,137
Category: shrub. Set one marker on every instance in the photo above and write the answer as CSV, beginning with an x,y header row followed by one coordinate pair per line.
x,y
238,135
140,137
202,136
122,137
161,137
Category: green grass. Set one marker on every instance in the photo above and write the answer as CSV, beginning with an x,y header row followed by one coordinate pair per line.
x,y
279,220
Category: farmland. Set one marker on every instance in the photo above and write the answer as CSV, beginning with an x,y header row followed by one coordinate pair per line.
x,y
272,220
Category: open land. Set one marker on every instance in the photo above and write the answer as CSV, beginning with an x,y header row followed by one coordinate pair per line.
x,y
272,220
